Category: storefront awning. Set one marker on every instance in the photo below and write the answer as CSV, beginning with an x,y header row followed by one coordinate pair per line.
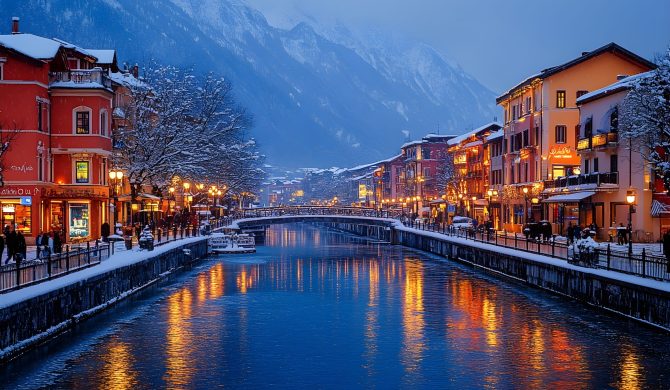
x,y
659,209
569,198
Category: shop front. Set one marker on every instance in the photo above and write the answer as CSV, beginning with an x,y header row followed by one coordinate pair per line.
x,y
77,214
567,209
20,207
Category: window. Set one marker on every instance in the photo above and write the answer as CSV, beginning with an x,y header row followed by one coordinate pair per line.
x,y
560,99
82,172
514,112
528,103
614,163
526,141
79,220
40,124
614,120
588,128
426,172
82,122
586,166
537,136
557,171
595,164
2,70
103,123
581,93
561,134
103,172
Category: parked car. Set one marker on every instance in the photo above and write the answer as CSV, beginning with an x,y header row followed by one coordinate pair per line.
x,y
462,222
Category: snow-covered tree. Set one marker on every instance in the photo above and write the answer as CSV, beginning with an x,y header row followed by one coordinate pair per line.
x,y
445,178
186,126
644,117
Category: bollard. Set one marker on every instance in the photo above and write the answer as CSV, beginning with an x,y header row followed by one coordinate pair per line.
x,y
48,262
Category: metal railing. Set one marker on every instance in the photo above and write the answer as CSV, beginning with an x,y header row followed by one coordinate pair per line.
x,y
639,264
82,76
28,272
590,178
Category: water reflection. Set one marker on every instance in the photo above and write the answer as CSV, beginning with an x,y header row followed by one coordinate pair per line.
x,y
117,372
323,309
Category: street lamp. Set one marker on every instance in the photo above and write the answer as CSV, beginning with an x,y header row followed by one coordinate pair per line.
x,y
630,199
116,177
525,197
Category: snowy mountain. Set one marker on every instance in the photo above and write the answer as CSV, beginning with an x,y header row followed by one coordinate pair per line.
x,y
317,97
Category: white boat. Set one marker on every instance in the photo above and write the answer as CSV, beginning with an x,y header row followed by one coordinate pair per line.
x,y
231,243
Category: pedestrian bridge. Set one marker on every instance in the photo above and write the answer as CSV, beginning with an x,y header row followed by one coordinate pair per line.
x,y
249,219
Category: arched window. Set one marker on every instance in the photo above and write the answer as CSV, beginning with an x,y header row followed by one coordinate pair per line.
x,y
103,123
81,120
614,120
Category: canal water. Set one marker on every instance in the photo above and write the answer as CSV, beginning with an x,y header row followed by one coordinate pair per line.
x,y
318,308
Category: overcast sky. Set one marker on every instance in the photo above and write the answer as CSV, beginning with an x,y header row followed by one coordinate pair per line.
x,y
498,42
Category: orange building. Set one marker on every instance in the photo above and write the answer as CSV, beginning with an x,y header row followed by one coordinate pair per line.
x,y
541,121
56,102
471,172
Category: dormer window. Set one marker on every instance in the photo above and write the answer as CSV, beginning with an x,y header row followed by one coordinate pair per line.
x,y
81,118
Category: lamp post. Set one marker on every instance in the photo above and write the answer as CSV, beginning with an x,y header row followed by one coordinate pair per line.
x,y
474,198
630,199
525,197
116,176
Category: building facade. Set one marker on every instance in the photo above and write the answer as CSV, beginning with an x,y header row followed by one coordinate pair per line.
x,y
541,126
57,107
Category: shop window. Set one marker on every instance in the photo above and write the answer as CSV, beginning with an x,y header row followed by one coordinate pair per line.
x,y
557,171
82,120
79,220
15,214
82,172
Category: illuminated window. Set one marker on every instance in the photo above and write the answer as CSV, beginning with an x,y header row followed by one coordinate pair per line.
x,y
82,171
560,99
82,122
561,134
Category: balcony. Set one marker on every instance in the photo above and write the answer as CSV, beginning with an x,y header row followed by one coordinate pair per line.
x,y
81,78
599,140
591,178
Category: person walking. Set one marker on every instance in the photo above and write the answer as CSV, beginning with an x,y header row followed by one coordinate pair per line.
x,y
21,248
10,241
38,246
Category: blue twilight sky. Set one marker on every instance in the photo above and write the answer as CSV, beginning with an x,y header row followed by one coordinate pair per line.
x,y
499,42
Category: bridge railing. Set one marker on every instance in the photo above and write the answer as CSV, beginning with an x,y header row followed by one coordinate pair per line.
x,y
316,210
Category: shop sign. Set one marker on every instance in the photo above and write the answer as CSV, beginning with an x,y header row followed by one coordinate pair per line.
x,y
562,153
23,168
19,191
26,201
8,208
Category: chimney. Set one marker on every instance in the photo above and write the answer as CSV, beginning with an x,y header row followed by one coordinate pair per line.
x,y
15,25
620,77
136,70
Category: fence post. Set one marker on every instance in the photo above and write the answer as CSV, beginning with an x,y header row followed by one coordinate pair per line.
x,y
644,263
553,245
67,258
609,256
88,252
539,243
515,240
18,270
527,243
48,262
505,236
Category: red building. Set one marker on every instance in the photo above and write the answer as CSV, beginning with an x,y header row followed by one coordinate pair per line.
x,y
56,101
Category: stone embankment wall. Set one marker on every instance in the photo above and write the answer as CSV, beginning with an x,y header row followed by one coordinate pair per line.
x,y
33,320
621,295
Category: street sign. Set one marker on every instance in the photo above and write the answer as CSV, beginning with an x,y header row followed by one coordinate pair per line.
x,y
451,208
26,201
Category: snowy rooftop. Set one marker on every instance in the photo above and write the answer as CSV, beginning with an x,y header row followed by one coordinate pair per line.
x,y
412,143
126,79
620,85
495,135
31,45
104,56
463,137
